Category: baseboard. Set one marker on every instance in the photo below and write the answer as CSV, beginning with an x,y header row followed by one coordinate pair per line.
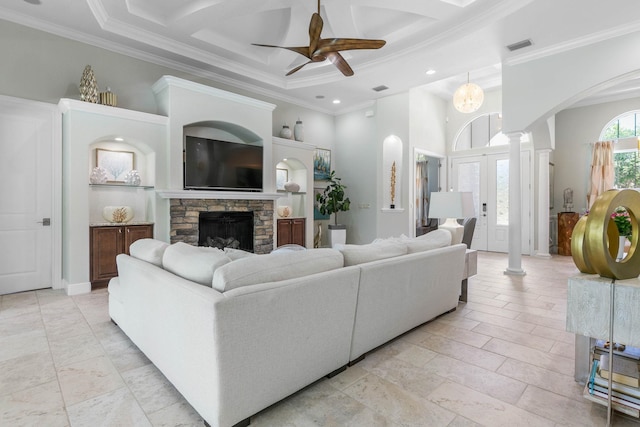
x,y
77,288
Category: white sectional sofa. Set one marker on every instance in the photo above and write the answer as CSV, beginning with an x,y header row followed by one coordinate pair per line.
x,y
236,333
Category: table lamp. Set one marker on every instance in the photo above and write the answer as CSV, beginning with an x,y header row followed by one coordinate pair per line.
x,y
452,205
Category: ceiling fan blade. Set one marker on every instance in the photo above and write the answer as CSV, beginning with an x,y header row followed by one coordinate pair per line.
x,y
340,63
298,68
315,29
302,50
335,45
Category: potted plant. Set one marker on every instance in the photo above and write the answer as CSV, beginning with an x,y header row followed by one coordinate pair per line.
x,y
331,201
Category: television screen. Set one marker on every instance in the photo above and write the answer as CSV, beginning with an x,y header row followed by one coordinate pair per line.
x,y
210,164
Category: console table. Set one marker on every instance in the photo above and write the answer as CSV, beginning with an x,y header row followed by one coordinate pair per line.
x,y
589,316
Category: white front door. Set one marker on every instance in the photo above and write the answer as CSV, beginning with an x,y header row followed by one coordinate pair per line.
x,y
27,131
487,177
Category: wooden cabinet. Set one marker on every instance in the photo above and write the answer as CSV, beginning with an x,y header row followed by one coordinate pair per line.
x,y
106,242
291,231
566,222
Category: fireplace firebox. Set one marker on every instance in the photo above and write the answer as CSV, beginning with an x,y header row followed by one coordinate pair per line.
x,y
226,229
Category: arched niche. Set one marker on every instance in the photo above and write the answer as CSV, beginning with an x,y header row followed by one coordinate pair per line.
x,y
392,171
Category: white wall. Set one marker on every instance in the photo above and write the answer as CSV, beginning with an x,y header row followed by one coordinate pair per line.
x,y
576,130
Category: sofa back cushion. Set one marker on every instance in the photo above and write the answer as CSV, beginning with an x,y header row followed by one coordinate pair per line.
x,y
432,240
235,254
193,262
359,254
149,250
275,267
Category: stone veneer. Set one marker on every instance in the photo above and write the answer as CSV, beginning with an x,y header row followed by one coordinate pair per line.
x,y
185,214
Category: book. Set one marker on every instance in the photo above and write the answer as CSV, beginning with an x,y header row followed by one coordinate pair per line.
x,y
616,403
622,388
625,371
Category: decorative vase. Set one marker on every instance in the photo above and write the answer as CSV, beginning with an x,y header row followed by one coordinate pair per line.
x,y
98,176
117,214
132,177
291,187
621,243
88,86
285,132
108,98
298,131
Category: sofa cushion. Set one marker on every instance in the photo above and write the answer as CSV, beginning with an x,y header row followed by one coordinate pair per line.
x,y
149,250
359,254
193,263
432,240
275,267
235,254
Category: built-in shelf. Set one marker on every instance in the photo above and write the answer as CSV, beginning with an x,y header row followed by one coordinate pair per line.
x,y
114,185
389,210
291,192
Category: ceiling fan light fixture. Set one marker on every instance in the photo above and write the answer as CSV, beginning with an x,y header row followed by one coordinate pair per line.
x,y
468,97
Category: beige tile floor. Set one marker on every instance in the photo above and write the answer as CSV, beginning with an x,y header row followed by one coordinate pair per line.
x,y
502,359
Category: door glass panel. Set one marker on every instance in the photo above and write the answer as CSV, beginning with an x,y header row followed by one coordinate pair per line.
x,y
502,192
469,180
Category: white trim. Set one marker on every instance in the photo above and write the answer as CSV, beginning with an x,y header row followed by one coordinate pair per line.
x,y
67,105
217,195
77,288
389,210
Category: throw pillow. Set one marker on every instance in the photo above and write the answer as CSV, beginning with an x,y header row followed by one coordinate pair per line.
x,y
432,240
359,254
149,250
193,263
275,267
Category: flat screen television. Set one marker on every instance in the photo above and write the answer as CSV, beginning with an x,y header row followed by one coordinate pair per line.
x,y
210,164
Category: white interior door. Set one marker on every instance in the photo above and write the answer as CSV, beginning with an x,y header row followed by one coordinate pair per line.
x,y
26,186
487,177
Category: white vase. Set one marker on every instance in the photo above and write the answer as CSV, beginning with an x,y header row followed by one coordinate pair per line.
x,y
621,243
117,214
285,132
298,131
291,187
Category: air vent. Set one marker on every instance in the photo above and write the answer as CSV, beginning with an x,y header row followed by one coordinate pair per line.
x,y
519,45
380,88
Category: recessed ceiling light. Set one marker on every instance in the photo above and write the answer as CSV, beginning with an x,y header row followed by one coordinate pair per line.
x,y
119,139
336,101
430,72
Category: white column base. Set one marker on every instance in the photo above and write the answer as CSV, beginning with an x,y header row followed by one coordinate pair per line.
x,y
514,272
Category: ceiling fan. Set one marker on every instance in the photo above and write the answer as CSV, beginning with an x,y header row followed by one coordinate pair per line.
x,y
320,49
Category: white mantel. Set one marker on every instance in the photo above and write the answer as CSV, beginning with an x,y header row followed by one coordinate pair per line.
x,y
218,195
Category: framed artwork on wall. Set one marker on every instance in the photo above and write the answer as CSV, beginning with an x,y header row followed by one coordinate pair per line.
x,y
321,164
316,212
116,163
282,176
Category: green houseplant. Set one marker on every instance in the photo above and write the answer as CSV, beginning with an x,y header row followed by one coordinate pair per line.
x,y
331,201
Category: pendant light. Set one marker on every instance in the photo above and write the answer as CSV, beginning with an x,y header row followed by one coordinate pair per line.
x,y
468,97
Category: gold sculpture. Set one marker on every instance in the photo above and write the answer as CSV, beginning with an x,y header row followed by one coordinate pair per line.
x,y
393,184
595,238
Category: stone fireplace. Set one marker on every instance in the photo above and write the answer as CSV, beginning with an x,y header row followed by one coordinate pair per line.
x,y
186,219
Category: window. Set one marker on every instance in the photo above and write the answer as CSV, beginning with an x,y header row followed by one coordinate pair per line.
x,y
483,131
625,130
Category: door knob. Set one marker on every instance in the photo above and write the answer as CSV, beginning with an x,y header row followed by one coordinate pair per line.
x,y
46,222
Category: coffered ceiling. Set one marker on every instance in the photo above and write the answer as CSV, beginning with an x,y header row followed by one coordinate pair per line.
x,y
213,38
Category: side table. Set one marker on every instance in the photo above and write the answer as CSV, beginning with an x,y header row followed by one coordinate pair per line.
x,y
470,269
566,222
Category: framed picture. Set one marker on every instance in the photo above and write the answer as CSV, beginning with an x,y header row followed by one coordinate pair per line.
x,y
282,176
321,164
316,211
115,163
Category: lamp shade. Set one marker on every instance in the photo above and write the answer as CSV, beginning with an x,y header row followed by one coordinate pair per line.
x,y
451,204
468,98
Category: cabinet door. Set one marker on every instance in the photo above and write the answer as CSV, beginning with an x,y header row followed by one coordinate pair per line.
x,y
284,232
136,232
297,231
106,243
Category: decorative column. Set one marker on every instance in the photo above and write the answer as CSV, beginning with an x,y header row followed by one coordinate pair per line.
x,y
542,250
515,207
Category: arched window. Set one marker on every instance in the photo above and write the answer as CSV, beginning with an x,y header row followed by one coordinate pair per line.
x,y
483,131
625,130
